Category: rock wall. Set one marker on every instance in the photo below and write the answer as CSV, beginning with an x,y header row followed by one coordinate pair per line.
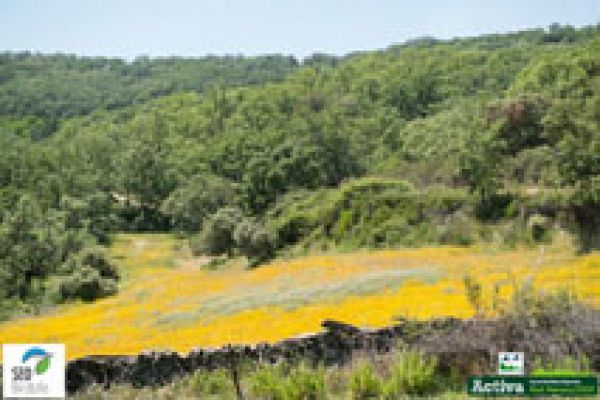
x,y
336,345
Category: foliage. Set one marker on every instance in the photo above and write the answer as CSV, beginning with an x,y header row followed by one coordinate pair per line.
x,y
365,384
284,383
211,384
217,235
228,231
88,275
87,284
254,241
45,88
412,373
189,205
517,123
473,293
562,367
553,325
267,383
372,212
306,383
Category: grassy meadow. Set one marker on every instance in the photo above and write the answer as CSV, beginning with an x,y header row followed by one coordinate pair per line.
x,y
170,299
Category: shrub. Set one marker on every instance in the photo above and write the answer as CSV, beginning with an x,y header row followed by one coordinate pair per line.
x,y
228,231
254,241
457,228
294,228
337,382
267,383
298,383
87,284
89,275
9,307
412,373
216,236
376,213
306,384
538,226
365,384
189,205
552,326
96,258
212,383
493,207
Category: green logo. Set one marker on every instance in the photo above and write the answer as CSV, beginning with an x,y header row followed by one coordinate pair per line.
x,y
41,356
532,386
511,363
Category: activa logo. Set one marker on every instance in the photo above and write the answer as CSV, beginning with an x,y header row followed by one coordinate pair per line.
x,y
529,386
493,386
33,370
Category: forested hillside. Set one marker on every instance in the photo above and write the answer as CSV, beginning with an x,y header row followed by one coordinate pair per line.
x,y
38,91
422,143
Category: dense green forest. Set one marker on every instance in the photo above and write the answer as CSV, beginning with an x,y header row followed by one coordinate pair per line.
x,y
428,141
38,91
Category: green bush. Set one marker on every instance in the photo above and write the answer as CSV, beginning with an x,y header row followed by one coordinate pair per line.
x,y
457,229
254,241
297,383
305,383
365,384
412,373
96,258
10,307
228,231
376,213
293,229
565,366
88,275
337,382
87,284
268,383
216,383
189,205
494,206
216,236
538,227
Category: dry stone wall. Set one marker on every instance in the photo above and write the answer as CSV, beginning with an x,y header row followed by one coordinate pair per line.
x,y
336,345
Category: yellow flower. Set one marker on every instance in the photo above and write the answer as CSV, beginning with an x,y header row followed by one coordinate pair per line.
x,y
168,301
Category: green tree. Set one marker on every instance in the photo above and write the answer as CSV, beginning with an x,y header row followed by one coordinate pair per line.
x,y
217,235
147,176
189,205
254,241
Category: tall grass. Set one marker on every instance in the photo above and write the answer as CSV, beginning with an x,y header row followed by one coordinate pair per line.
x,y
281,383
365,384
412,373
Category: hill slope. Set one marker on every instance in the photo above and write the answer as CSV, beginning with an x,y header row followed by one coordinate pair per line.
x,y
170,300
37,91
480,140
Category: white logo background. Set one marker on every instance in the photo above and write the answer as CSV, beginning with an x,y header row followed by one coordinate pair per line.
x,y
49,384
513,360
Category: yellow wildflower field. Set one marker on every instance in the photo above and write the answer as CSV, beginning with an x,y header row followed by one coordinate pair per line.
x,y
169,300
